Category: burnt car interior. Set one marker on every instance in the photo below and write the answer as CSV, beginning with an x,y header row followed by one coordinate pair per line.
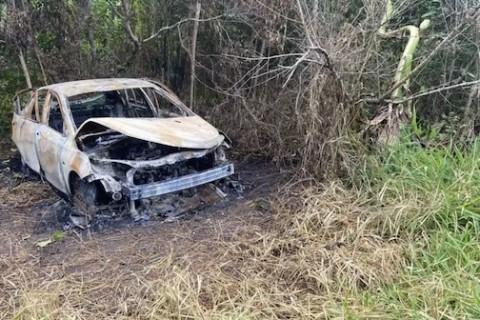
x,y
130,103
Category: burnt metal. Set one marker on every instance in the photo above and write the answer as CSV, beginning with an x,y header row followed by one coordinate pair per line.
x,y
131,138
135,192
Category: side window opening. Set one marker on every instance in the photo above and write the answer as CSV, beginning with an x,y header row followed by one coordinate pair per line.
x,y
39,101
55,118
165,108
24,103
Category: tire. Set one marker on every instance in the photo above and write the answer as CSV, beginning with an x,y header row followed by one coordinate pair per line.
x,y
85,197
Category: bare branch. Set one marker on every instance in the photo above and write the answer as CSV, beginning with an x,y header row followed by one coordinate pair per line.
x,y
423,94
304,23
128,26
458,30
178,23
194,51
258,58
294,67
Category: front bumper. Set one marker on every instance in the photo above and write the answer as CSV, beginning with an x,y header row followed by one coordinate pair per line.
x,y
134,192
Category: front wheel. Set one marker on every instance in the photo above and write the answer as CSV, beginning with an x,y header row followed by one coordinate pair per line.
x,y
85,197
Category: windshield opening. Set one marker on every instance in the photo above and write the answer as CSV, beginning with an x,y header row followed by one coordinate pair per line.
x,y
128,103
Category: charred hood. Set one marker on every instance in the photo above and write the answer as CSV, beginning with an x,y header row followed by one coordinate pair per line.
x,y
183,132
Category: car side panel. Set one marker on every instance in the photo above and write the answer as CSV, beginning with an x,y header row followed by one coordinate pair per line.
x,y
49,144
23,135
73,160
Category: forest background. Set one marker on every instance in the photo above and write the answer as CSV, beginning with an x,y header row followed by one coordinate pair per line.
x,y
379,129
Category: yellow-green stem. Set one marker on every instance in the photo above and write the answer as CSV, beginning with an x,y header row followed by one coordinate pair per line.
x,y
405,65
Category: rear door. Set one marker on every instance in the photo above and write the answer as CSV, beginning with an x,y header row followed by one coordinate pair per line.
x,y
24,126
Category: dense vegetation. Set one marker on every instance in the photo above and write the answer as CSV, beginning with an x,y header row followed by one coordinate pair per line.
x,y
308,85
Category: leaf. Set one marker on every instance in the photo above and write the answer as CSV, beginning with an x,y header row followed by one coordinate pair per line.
x,y
57,235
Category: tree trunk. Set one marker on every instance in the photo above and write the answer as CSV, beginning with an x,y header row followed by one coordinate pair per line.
x,y
193,52
25,69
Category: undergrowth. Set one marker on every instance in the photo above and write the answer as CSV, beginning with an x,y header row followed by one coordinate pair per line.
x,y
441,280
400,244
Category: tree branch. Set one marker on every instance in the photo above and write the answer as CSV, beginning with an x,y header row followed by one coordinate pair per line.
x,y
128,26
423,94
178,23
452,35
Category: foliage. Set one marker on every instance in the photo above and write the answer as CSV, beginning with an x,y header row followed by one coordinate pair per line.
x,y
56,236
11,79
290,74
293,81
438,193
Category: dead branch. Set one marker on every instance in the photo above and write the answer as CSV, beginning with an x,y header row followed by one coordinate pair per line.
x,y
458,30
284,55
25,69
178,23
128,26
416,96
137,40
423,94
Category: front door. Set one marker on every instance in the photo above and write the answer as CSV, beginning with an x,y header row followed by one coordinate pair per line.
x,y
49,143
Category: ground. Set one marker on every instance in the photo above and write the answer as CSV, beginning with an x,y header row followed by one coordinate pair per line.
x,y
121,251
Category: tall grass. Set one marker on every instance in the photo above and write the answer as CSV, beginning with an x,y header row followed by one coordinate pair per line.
x,y
442,278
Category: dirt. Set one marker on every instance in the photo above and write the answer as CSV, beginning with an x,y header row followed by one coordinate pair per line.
x,y
30,211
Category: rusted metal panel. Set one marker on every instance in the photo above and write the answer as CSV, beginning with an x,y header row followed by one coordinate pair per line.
x,y
73,161
74,88
48,144
23,135
189,181
183,132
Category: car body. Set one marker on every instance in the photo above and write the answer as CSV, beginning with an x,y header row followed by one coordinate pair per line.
x,y
112,140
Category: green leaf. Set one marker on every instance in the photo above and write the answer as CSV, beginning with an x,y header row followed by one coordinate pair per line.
x,y
57,235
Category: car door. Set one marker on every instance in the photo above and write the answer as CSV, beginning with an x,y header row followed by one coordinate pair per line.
x,y
24,126
50,140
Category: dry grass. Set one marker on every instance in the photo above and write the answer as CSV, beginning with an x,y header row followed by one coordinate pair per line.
x,y
403,246
289,94
302,264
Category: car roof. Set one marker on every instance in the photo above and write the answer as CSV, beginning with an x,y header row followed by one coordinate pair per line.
x,y
74,88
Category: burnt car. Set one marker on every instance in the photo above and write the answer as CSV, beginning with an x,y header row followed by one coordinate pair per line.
x,y
108,141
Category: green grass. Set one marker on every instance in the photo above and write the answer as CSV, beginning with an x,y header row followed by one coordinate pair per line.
x,y
442,278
